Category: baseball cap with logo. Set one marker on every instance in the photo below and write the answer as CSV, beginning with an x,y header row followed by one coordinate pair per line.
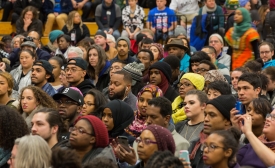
x,y
72,93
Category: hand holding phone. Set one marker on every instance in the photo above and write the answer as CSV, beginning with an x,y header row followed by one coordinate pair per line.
x,y
239,107
184,154
123,141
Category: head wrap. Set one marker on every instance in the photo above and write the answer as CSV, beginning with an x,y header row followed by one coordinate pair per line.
x,y
241,28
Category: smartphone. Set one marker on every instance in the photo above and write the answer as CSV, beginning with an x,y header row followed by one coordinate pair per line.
x,y
185,155
239,107
123,141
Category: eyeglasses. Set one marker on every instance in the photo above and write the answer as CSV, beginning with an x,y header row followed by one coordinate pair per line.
x,y
185,84
66,102
214,41
73,70
80,130
211,147
272,116
145,141
202,70
264,52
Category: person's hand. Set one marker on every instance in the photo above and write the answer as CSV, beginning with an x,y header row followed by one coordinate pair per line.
x,y
2,66
27,21
127,156
153,29
110,31
255,22
235,118
80,5
74,4
164,30
245,123
131,36
185,164
56,14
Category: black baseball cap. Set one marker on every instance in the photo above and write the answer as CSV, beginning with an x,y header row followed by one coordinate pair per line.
x,y
72,93
47,66
80,62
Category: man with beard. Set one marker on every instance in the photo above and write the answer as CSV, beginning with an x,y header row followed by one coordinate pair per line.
x,y
47,123
123,47
69,102
42,75
120,88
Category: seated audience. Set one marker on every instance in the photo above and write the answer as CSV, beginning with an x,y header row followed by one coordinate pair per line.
x,y
189,81
157,51
75,27
222,143
29,21
160,74
65,158
56,11
89,138
52,45
217,88
93,100
30,151
108,17
12,130
116,116
7,83
57,63
64,42
132,19
33,98
195,103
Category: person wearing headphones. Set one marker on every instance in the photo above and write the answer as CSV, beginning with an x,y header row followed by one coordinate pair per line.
x,y
120,88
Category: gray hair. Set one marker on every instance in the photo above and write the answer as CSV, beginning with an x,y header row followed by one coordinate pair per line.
x,y
15,37
76,50
32,151
111,37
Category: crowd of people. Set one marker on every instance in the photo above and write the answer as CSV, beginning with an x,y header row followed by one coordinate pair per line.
x,y
144,97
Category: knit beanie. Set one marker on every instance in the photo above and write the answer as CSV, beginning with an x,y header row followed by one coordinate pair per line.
x,y
180,31
196,79
232,4
135,69
164,68
164,138
218,36
100,130
54,34
101,33
160,48
224,103
125,39
243,2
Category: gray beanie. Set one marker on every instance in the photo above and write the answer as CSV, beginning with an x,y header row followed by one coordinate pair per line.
x,y
135,69
28,43
179,30
125,39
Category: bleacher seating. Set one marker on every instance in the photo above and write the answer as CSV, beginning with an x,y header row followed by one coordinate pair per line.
x,y
6,28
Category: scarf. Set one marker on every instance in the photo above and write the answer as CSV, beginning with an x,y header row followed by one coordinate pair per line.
x,y
270,145
104,17
123,116
138,124
206,10
240,28
4,156
164,83
198,144
178,110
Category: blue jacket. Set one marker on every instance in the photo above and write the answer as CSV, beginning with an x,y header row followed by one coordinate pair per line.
x,y
184,63
14,56
269,63
49,89
66,6
198,32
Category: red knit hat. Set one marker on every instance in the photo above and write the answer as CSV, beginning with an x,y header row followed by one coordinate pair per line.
x,y
100,130
164,138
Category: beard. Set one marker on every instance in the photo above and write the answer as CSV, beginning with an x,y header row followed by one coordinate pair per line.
x,y
119,95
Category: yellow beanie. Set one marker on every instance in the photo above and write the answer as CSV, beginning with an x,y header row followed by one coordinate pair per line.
x,y
196,79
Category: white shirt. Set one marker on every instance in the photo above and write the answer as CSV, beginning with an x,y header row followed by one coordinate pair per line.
x,y
185,6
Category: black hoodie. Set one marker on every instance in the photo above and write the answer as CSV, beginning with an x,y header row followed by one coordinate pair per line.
x,y
85,86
